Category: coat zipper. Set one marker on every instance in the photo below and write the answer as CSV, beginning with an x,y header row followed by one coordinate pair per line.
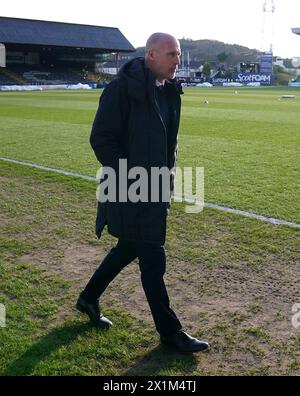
x,y
156,108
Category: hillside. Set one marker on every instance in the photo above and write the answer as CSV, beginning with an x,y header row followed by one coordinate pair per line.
x,y
212,51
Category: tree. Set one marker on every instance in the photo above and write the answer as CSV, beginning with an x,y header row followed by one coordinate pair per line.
x,y
207,70
282,76
222,56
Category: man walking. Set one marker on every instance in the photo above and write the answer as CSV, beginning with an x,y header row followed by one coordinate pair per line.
x,y
138,121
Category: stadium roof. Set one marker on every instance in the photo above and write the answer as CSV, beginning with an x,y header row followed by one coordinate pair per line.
x,y
296,30
34,32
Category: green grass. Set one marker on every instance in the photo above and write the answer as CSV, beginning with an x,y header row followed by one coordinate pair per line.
x,y
249,146
229,277
32,345
248,143
232,280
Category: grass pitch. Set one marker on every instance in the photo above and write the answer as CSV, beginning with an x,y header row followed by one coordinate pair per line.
x,y
232,280
247,142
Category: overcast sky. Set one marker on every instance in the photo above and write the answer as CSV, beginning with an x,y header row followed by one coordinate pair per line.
x,y
231,21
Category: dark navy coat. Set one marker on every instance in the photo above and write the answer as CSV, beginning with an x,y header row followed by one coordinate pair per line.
x,y
128,125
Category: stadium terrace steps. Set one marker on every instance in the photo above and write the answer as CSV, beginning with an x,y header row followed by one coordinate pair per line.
x,y
26,75
10,77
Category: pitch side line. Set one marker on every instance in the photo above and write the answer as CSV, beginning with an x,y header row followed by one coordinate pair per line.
x,y
32,165
187,200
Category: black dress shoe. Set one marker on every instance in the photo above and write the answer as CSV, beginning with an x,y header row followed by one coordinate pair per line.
x,y
184,342
93,311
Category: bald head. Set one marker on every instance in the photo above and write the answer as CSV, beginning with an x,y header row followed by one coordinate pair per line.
x,y
156,40
163,55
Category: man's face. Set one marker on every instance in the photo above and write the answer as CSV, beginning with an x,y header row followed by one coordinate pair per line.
x,y
165,59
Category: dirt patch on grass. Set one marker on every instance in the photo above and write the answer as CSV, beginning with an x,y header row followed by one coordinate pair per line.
x,y
243,310
72,261
259,295
4,220
77,262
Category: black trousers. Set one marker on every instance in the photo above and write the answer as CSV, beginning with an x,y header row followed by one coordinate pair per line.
x,y
152,262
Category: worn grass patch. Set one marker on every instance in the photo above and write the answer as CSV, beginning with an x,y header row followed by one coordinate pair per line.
x,y
232,280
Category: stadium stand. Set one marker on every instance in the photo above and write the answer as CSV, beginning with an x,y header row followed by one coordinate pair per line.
x,y
42,76
5,79
45,53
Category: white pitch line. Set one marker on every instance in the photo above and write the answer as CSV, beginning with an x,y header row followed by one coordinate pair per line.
x,y
187,200
64,172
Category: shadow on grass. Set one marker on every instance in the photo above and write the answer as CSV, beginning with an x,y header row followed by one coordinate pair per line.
x,y
159,361
163,361
59,337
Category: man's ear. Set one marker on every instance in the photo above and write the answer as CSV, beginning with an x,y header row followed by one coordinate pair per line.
x,y
151,53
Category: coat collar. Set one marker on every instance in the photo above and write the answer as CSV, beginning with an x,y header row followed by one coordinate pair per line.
x,y
141,80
